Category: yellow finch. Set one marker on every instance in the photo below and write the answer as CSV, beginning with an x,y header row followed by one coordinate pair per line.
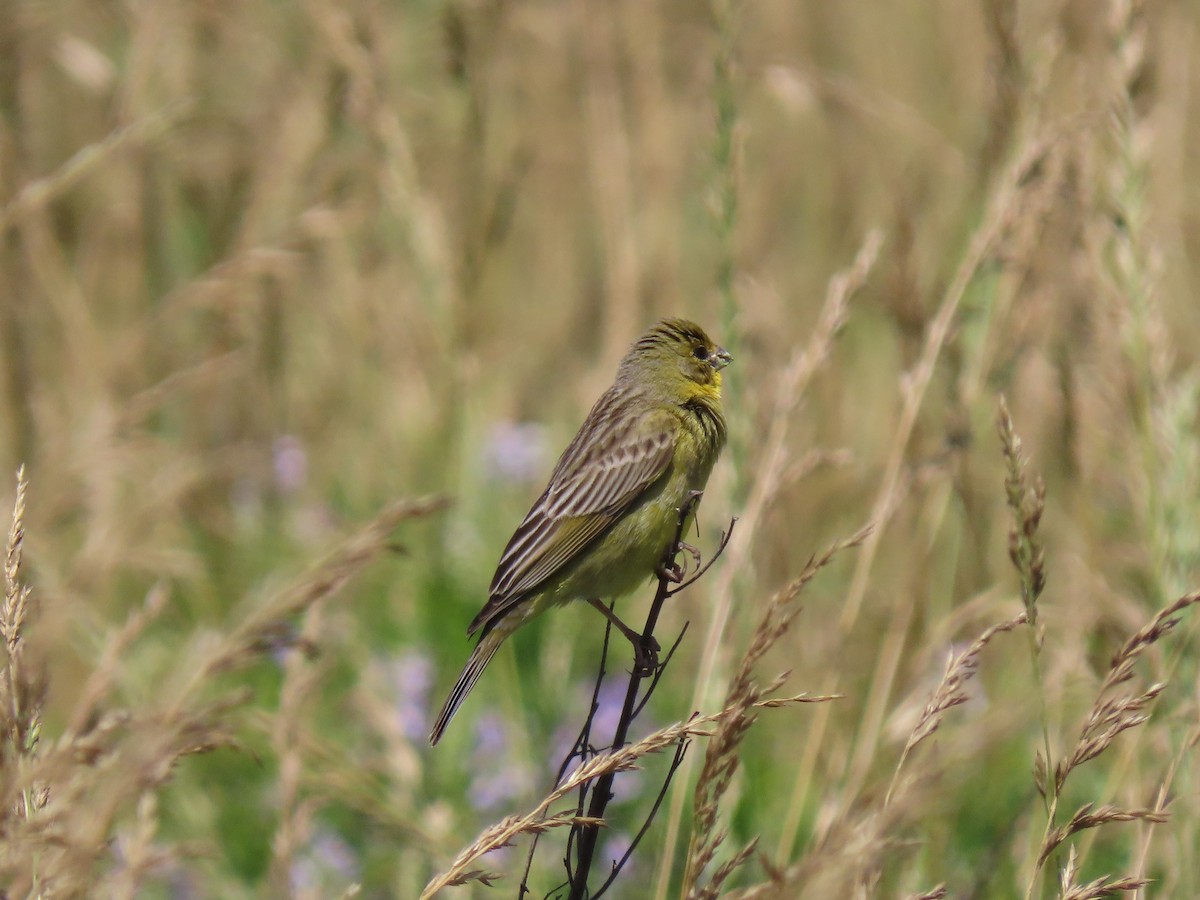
x,y
605,520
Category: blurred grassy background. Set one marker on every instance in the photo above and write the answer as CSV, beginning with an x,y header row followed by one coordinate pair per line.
x,y
267,267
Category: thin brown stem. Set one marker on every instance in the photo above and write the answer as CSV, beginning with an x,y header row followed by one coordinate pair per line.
x,y
587,835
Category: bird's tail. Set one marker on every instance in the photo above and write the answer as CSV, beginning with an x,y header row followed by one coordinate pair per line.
x,y
480,657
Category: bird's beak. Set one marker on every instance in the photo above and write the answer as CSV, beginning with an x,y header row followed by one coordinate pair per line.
x,y
720,359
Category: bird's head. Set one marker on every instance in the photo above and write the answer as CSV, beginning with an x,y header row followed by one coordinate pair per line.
x,y
679,356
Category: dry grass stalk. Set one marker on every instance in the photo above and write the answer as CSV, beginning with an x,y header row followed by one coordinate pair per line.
x,y
267,624
1163,797
1111,716
721,756
712,890
300,679
37,194
1132,260
188,725
127,755
1005,101
137,851
1003,209
936,893
843,864
1027,503
1107,719
609,151
335,780
105,674
539,819
102,762
1101,887
21,691
400,175
16,595
727,152
1085,818
1163,623
949,693
960,668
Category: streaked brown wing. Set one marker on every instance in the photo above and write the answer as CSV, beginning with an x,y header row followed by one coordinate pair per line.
x,y
587,494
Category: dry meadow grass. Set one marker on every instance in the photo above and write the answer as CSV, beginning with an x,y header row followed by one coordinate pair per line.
x,y
298,302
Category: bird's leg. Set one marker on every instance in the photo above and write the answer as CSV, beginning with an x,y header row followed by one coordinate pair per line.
x,y
692,551
645,650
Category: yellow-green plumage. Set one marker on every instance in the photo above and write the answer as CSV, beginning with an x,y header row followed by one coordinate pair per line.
x,y
606,518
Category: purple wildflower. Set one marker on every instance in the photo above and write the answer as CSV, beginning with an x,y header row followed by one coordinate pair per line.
x,y
411,678
499,778
290,463
326,863
515,452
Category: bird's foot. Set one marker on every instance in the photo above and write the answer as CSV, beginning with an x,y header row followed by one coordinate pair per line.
x,y
675,572
671,571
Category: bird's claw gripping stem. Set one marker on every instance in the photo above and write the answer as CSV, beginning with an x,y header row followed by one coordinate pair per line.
x,y
671,571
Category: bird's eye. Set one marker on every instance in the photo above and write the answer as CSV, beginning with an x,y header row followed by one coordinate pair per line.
x,y
701,352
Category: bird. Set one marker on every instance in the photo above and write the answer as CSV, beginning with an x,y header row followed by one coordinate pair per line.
x,y
609,514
